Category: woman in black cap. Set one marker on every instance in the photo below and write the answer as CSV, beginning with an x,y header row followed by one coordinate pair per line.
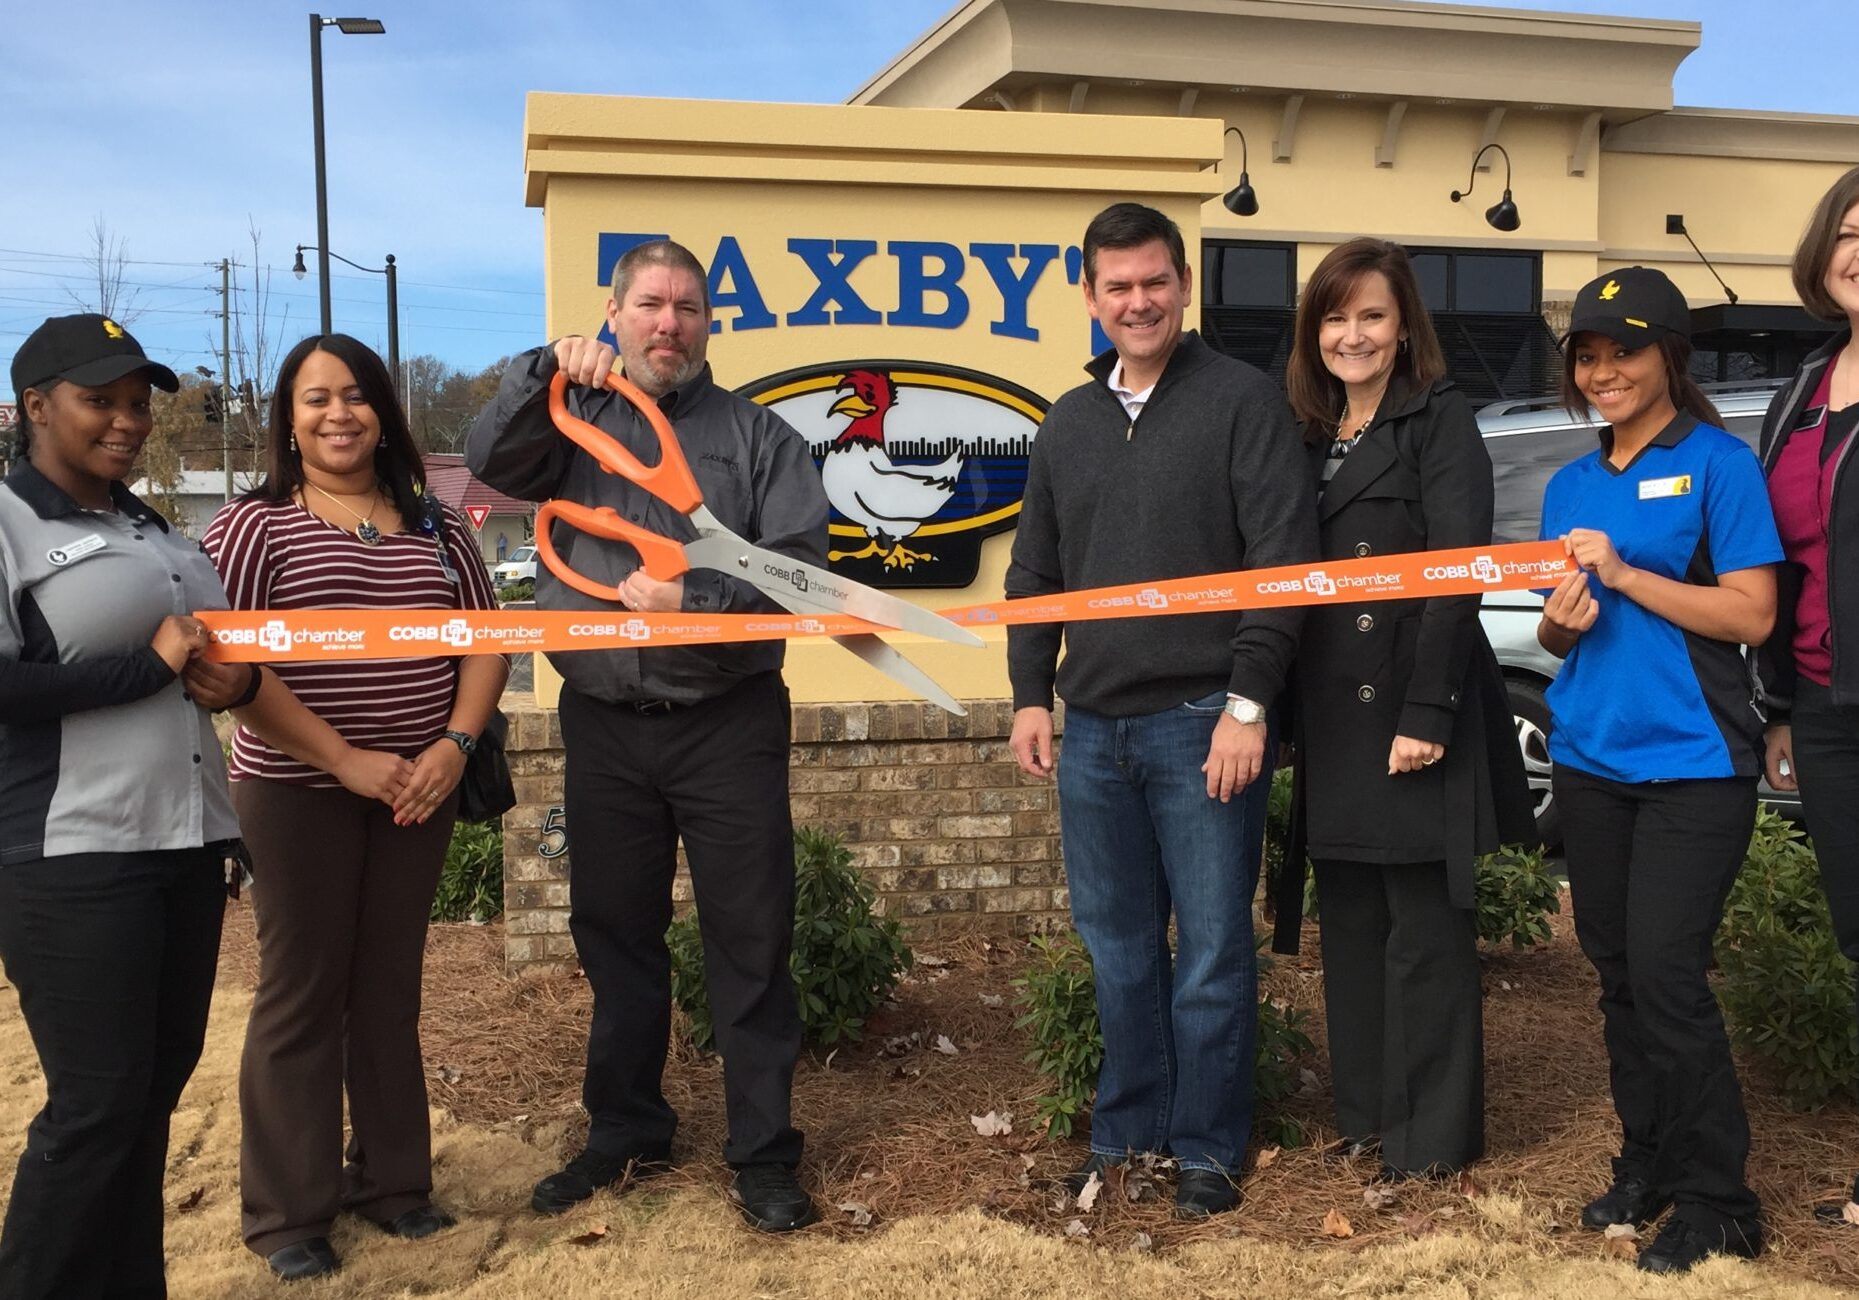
x,y
1810,679
115,822
1657,745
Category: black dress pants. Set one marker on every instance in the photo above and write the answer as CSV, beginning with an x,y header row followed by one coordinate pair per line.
x,y
1650,865
1826,761
1405,1010
715,775
113,956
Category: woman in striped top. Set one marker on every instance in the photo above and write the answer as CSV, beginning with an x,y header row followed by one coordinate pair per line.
x,y
346,855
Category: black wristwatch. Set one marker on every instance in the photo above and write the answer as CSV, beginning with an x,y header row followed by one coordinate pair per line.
x,y
465,741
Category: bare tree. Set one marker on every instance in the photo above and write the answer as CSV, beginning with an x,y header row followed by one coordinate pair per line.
x,y
256,351
108,261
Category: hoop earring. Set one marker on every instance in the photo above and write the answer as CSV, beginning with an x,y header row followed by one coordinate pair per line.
x,y
1401,347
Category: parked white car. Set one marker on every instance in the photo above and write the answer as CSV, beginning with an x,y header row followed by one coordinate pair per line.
x,y
519,567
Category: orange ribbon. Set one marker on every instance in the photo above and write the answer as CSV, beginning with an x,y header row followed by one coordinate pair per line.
x,y
322,635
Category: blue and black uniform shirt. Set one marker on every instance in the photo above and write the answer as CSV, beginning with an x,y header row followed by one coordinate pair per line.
x,y
1639,698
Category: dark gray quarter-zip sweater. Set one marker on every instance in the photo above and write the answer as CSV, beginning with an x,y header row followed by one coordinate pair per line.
x,y
1210,478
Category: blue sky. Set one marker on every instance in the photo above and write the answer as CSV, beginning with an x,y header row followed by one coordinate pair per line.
x,y
184,123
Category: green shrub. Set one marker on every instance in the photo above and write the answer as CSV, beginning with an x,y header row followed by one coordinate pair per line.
x,y
1058,996
845,961
1060,1000
1278,838
471,882
524,590
1787,991
1516,896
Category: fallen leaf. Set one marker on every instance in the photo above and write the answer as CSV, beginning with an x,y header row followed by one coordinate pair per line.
x,y
1115,1176
1850,1212
1620,1248
906,1071
944,1046
519,1119
925,959
447,1074
1552,1227
1378,1198
1620,1232
992,1000
1417,1224
189,1201
1088,1194
1143,1241
1336,1224
993,1124
1076,1228
861,1214
902,1043
1467,1187
592,1237
1027,1162
1308,1083
1266,1156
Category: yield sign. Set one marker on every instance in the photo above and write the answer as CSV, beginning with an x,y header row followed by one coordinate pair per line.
x,y
478,515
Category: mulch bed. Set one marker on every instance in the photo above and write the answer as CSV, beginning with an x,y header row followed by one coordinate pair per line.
x,y
889,1132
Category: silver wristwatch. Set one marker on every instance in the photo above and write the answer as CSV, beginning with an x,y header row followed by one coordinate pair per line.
x,y
1244,711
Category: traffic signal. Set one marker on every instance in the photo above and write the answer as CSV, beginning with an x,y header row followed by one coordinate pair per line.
x,y
210,404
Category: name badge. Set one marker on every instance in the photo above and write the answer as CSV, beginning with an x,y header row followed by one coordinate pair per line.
x,y
70,553
1679,485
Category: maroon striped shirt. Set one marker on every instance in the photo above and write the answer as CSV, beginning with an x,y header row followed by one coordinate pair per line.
x,y
277,555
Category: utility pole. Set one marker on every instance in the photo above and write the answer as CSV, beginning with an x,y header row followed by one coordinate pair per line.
x,y
225,369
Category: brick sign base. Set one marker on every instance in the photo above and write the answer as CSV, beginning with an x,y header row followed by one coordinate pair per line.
x,y
948,830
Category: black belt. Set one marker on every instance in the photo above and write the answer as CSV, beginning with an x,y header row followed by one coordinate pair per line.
x,y
656,706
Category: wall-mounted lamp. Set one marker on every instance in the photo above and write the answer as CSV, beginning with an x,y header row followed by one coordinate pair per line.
x,y
1675,225
1501,215
1241,201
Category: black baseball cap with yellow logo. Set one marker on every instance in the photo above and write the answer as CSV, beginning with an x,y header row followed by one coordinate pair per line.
x,y
1635,305
89,349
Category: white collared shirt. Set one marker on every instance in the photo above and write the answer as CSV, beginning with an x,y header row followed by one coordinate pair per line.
x,y
1133,402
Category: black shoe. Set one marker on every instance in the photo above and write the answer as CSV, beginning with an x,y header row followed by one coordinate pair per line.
x,y
421,1221
1630,1200
1832,1214
1095,1163
1681,1245
311,1257
1431,1174
1201,1193
592,1170
772,1198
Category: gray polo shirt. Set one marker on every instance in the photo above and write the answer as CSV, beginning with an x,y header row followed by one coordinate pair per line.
x,y
100,749
753,468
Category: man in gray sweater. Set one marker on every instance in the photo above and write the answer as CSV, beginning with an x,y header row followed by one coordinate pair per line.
x,y
1172,461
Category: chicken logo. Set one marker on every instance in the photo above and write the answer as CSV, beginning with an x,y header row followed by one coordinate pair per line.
x,y
919,461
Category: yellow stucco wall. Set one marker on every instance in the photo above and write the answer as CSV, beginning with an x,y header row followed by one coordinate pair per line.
x,y
965,178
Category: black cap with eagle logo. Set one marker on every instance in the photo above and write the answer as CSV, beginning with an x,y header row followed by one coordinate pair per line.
x,y
88,349
1635,305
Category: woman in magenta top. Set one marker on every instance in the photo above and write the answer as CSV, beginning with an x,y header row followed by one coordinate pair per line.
x,y
347,849
1810,666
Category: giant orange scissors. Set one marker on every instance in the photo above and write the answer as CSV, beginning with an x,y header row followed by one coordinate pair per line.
x,y
797,587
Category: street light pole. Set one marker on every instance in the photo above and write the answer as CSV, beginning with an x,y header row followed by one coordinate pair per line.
x,y
353,27
391,271
322,180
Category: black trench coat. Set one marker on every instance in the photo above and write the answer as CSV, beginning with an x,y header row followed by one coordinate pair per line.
x,y
1418,480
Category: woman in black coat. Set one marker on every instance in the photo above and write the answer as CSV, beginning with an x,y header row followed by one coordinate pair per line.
x,y
1407,764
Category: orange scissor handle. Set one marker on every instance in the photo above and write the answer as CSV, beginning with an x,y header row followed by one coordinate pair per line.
x,y
670,480
660,557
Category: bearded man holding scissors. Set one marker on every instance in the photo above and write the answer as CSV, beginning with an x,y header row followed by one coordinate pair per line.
x,y
671,743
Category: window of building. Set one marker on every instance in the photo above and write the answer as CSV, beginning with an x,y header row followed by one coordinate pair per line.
x,y
1479,280
1240,274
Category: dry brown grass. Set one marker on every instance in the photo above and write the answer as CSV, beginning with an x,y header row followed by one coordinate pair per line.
x,y
890,1131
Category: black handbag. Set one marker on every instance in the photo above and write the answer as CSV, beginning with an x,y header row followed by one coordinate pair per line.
x,y
485,790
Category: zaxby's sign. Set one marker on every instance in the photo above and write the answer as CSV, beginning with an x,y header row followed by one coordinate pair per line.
x,y
921,461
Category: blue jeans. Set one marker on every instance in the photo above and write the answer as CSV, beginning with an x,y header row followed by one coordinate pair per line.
x,y
1141,837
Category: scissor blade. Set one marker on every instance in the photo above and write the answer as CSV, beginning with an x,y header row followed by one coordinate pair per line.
x,y
885,658
788,582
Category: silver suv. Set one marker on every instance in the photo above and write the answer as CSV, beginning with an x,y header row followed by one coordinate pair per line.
x,y
1529,441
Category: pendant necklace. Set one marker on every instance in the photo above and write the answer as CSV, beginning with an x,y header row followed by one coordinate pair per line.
x,y
365,529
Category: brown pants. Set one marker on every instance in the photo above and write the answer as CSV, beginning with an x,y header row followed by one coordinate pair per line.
x,y
341,896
